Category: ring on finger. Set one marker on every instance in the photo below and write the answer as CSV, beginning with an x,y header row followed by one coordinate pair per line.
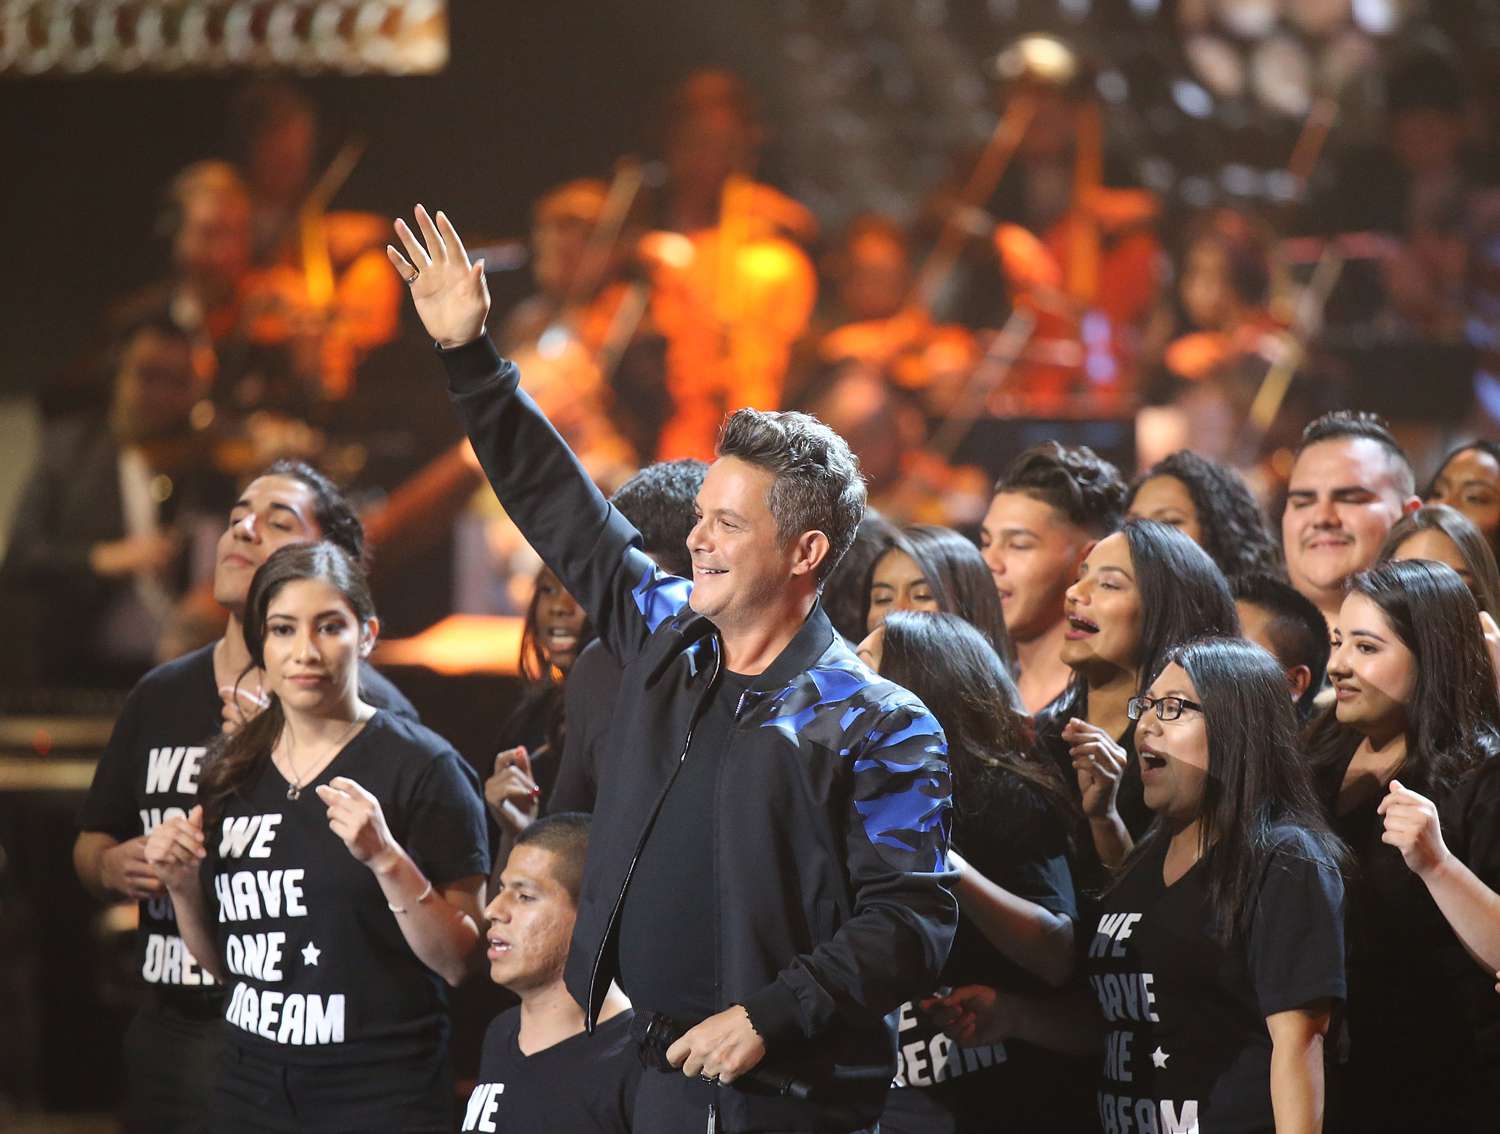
x,y
411,279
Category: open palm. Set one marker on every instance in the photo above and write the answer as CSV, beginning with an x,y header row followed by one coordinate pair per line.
x,y
450,294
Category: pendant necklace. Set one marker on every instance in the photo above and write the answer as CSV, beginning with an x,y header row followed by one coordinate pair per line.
x,y
294,789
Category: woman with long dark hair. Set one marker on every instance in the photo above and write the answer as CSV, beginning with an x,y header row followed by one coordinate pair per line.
x,y
1140,592
1442,534
930,567
345,849
1217,960
1469,481
1012,818
1405,762
1212,505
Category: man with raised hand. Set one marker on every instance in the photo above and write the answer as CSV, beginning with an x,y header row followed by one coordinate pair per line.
x,y
768,860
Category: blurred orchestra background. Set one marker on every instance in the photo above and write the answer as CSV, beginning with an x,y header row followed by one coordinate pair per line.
x,y
950,228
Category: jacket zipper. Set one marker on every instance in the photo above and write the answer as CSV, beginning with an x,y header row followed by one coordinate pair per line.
x,y
614,914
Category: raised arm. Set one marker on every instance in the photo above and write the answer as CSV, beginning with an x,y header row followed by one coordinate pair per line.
x,y
594,550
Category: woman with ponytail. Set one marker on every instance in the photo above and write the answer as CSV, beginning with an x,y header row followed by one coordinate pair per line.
x,y
344,852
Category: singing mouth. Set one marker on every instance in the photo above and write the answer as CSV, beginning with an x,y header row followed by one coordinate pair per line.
x,y
1078,625
1150,758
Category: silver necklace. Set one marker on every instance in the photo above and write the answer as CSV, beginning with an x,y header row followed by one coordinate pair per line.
x,y
294,789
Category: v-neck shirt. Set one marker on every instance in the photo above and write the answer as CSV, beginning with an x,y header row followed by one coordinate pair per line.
x,y
319,970
581,1084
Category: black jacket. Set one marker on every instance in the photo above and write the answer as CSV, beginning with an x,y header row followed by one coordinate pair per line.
x,y
832,820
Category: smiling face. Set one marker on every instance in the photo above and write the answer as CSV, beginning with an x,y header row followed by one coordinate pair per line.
x,y
559,621
313,644
1167,500
897,583
1373,671
1470,483
272,512
1434,545
741,565
1033,553
1343,499
530,922
1104,610
1173,754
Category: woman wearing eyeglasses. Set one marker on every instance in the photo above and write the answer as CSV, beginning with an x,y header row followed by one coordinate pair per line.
x,y
1406,762
1217,957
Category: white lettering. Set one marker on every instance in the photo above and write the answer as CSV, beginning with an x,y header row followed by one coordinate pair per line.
x,y
256,955
1174,1123
484,1101
248,836
161,766
249,895
914,1055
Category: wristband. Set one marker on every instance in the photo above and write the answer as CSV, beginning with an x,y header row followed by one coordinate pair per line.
x,y
422,897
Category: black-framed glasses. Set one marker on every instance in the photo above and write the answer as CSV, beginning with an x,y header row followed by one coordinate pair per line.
x,y
1167,708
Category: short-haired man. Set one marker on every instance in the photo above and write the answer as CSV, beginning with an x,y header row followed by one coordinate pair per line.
x,y
148,772
538,1069
1050,507
1350,483
769,872
1276,616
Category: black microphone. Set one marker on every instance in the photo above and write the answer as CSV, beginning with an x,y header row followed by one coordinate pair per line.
x,y
655,1033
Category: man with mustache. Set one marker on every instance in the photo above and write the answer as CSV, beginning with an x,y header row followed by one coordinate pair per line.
x,y
1350,483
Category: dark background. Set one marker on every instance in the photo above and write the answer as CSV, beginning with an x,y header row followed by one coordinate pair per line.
x,y
534,93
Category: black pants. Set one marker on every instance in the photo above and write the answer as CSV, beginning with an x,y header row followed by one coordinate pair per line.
x,y
671,1103
172,1060
263,1096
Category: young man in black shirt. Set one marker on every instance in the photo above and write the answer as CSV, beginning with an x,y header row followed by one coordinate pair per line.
x,y
148,772
769,871
539,1069
658,501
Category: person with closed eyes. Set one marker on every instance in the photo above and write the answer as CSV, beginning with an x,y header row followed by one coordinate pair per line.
x,y
1350,483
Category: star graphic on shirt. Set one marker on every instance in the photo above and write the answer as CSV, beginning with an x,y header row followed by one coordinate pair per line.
x,y
310,954
1159,1058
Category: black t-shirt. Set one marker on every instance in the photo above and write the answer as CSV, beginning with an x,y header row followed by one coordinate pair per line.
x,y
1089,874
148,772
1187,1040
1423,1022
668,956
589,710
1008,832
585,1083
319,970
